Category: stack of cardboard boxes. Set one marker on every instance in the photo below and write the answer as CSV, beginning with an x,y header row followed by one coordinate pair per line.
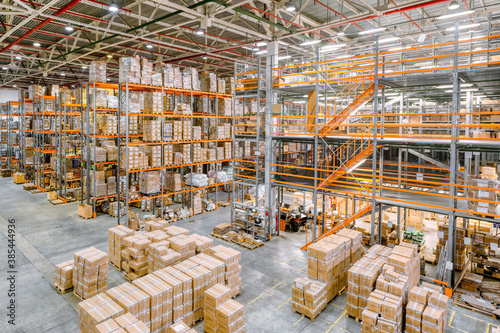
x,y
153,102
362,277
208,82
154,155
197,153
183,244
116,244
97,71
64,275
130,70
222,314
122,324
136,258
485,190
309,297
149,182
90,272
96,310
168,154
146,71
225,107
151,130
434,315
186,130
231,259
461,249
173,182
132,300
161,256
385,305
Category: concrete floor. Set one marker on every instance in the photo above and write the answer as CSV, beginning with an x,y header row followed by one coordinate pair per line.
x,y
47,235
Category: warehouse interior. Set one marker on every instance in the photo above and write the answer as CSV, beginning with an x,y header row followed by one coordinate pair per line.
x,y
250,166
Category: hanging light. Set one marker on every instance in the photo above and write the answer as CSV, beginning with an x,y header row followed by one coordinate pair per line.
x,y
453,5
149,46
84,67
4,68
113,8
18,57
68,28
290,7
372,31
205,57
199,32
310,42
109,56
63,74
37,44
15,85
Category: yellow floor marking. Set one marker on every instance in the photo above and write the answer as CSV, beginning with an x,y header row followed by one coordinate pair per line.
x,y
285,302
303,267
336,321
298,321
257,297
472,317
298,270
488,327
274,286
451,319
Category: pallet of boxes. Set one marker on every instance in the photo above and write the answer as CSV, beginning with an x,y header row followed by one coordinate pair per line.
x,y
221,313
384,308
328,262
90,272
64,276
461,249
172,298
426,309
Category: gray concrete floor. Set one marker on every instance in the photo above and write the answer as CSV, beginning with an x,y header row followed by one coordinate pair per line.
x,y
47,235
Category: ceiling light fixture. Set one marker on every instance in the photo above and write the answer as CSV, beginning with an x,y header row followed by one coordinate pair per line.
x,y
331,47
113,8
261,44
108,79
68,28
284,57
462,90
15,85
290,7
463,27
84,67
447,86
109,56
447,16
310,42
261,52
18,57
386,40
341,33
4,68
372,31
63,74
205,57
37,44
149,46
453,5
199,32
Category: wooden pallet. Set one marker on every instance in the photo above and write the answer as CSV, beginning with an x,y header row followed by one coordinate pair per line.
x,y
80,297
116,267
312,319
357,319
125,275
29,186
35,191
56,202
223,203
247,246
61,290
341,291
457,301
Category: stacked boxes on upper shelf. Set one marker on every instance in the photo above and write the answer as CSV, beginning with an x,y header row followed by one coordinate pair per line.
x,y
461,249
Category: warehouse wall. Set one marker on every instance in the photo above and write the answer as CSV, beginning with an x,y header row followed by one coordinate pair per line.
x,y
8,95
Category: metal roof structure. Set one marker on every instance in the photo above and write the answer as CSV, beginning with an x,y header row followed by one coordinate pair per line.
x,y
54,40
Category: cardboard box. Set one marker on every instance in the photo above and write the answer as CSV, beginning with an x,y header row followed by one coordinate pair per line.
x,y
85,211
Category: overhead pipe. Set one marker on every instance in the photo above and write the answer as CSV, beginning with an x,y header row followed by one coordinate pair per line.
x,y
164,17
40,25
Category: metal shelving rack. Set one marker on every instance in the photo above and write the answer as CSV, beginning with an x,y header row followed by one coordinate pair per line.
x,y
68,128
43,110
124,140
26,131
359,173
89,164
247,213
4,136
